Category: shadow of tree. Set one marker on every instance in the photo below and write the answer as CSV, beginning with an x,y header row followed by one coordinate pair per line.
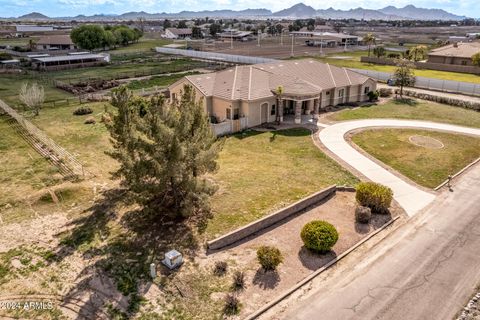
x,y
362,228
266,279
122,253
314,260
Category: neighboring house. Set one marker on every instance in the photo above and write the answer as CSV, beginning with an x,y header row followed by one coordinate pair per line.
x,y
26,30
55,42
246,96
176,33
458,53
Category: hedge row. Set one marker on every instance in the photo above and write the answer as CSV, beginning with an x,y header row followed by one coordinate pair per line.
x,y
442,99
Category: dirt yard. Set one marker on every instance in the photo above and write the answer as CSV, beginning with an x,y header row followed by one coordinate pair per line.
x,y
298,262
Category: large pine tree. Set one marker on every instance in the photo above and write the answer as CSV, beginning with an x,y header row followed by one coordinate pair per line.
x,y
165,151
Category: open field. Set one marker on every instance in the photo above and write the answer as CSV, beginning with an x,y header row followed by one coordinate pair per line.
x,y
428,165
414,109
262,172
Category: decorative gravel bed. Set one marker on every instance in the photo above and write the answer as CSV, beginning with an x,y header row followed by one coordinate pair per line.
x,y
472,309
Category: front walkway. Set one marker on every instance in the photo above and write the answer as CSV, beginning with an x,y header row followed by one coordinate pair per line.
x,y
410,197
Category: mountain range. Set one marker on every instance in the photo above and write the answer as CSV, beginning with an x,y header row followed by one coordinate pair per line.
x,y
299,10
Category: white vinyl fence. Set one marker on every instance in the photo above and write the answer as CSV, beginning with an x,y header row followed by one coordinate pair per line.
x,y
222,57
429,83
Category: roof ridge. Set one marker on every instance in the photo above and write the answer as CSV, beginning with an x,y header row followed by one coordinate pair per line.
x,y
348,77
250,83
331,74
234,82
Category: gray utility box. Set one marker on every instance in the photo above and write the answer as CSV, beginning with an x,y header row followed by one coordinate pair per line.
x,y
173,259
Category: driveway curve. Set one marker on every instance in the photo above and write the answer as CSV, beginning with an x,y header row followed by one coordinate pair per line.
x,y
410,197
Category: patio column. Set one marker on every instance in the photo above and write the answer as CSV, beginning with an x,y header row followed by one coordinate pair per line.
x,y
298,111
310,106
316,108
280,110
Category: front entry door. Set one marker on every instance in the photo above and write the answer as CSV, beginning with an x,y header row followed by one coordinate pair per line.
x,y
264,113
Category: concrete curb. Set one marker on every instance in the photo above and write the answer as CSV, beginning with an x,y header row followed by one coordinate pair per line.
x,y
316,273
458,173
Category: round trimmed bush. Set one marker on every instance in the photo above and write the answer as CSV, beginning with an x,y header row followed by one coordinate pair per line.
x,y
319,235
375,196
269,257
363,214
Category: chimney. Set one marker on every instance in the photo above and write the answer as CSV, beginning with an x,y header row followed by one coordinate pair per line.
x,y
455,44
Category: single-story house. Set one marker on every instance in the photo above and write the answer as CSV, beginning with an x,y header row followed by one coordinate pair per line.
x,y
56,42
176,33
340,39
249,96
457,53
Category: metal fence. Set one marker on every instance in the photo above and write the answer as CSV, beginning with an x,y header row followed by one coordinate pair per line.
x,y
44,145
429,83
214,56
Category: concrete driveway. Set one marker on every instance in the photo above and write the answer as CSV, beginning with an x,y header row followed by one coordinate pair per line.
x,y
409,196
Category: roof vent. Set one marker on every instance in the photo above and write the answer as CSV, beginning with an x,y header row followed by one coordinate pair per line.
x,y
455,45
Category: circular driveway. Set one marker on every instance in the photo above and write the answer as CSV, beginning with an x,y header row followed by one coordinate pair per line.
x,y
410,197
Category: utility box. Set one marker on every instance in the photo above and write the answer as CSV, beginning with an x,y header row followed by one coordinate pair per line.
x,y
173,259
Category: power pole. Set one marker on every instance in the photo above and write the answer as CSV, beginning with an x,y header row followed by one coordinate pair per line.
x,y
258,38
291,52
231,39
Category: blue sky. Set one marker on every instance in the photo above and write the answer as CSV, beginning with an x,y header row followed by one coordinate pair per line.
x,y
58,8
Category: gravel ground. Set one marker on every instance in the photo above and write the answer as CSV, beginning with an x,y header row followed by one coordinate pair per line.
x,y
471,310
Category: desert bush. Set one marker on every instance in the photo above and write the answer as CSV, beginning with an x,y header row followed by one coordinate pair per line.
x,y
319,235
385,92
106,118
80,111
220,268
373,95
363,214
269,257
375,196
90,120
232,305
238,280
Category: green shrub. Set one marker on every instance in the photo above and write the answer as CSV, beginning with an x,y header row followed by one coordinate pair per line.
x,y
269,257
80,111
373,95
363,214
375,196
319,235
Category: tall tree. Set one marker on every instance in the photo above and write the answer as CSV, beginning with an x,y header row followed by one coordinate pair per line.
x,y
88,37
165,151
369,39
404,74
379,51
418,52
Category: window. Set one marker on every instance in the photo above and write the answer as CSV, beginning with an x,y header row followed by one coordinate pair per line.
x,y
341,92
464,63
229,114
328,93
366,90
272,110
174,96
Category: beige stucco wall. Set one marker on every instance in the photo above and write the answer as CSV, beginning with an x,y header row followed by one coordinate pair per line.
x,y
253,111
450,60
177,89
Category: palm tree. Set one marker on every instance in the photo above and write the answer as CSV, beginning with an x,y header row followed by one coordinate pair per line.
x,y
278,93
369,39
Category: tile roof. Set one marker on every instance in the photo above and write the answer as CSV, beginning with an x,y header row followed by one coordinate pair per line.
x,y
297,77
461,49
180,31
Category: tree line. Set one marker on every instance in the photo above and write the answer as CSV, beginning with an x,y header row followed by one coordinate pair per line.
x,y
91,37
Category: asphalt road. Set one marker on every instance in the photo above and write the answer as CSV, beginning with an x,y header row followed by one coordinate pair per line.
x,y
426,269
